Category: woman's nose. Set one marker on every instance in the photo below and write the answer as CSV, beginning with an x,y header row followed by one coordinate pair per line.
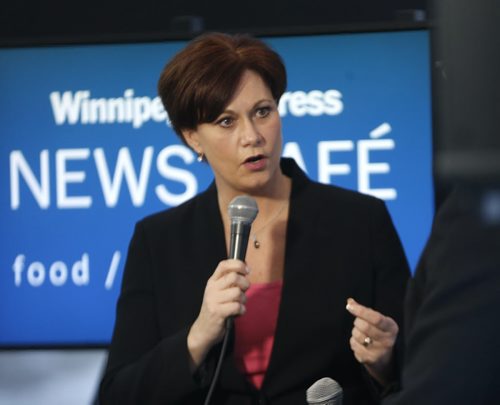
x,y
251,134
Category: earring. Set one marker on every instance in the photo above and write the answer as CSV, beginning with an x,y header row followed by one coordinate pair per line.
x,y
200,157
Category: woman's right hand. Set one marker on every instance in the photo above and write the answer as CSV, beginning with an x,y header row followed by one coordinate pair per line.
x,y
224,297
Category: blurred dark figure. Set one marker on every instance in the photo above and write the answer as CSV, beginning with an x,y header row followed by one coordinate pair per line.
x,y
452,323
452,353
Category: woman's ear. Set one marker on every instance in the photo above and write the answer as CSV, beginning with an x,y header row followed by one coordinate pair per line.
x,y
191,138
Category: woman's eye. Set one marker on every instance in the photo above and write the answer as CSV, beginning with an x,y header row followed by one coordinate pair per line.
x,y
225,122
263,112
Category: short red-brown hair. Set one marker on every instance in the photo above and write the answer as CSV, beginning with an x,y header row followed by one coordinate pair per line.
x,y
198,83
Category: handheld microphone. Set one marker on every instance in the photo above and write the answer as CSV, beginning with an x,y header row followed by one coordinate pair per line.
x,y
325,391
242,212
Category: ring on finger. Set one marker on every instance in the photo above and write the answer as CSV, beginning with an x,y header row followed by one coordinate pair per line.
x,y
367,341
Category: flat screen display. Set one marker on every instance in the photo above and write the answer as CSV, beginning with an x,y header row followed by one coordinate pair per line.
x,y
86,150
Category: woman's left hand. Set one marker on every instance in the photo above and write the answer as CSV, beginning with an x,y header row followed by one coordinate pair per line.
x,y
372,340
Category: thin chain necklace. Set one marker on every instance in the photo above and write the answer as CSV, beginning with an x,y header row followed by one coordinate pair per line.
x,y
256,242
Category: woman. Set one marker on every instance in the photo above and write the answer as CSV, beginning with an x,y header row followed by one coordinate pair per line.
x,y
312,247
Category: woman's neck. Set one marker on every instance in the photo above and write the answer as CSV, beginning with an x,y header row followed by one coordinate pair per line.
x,y
267,202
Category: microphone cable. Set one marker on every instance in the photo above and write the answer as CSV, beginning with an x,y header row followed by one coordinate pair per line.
x,y
229,325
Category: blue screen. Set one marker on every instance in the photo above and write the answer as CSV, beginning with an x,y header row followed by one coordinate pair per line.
x,y
86,150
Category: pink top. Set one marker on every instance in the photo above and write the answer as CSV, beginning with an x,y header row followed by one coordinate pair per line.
x,y
254,330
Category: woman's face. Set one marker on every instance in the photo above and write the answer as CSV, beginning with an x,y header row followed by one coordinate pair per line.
x,y
243,145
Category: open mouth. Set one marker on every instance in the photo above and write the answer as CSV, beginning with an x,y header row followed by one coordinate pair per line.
x,y
253,159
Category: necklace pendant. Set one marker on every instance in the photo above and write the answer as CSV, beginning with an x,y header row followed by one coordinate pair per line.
x,y
256,243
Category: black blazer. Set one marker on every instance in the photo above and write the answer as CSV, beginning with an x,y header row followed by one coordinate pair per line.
x,y
339,244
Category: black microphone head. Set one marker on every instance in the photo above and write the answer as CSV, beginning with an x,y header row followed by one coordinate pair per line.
x,y
242,209
325,391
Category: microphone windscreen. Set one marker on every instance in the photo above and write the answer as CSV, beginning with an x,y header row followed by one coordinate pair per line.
x,y
325,391
243,209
